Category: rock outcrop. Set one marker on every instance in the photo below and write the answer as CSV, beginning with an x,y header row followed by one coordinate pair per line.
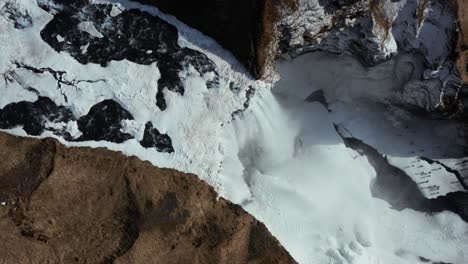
x,y
461,8
83,205
245,27
259,32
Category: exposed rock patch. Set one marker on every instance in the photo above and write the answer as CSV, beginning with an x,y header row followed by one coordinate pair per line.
x,y
152,138
82,205
33,116
93,34
103,122
259,32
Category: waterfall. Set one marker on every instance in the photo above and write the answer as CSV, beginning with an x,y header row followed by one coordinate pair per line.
x,y
285,164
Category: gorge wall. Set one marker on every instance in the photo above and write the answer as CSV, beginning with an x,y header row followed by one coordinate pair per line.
x,y
258,32
247,28
461,7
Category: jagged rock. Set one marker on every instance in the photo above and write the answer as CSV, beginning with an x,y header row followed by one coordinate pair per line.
x,y
259,32
246,27
152,138
83,205
93,34
33,116
104,122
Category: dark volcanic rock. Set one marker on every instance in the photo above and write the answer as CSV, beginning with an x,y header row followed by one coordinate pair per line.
x,y
132,35
152,138
104,122
97,206
245,27
33,116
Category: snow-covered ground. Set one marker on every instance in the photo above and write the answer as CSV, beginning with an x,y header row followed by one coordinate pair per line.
x,y
280,158
314,194
189,120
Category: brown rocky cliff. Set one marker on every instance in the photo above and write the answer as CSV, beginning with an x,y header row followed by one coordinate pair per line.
x,y
245,27
83,205
248,28
462,60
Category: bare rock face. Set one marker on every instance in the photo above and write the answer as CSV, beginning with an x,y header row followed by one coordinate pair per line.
x,y
374,31
83,205
245,27
461,7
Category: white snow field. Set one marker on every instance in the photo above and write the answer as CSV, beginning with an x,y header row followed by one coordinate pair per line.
x,y
313,193
281,158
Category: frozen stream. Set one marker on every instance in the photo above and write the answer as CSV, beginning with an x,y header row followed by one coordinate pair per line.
x,y
287,165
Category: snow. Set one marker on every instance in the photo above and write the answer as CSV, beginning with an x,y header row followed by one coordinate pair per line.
x,y
189,120
60,38
89,28
115,11
294,173
281,159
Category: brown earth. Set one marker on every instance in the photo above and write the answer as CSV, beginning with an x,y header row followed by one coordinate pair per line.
x,y
83,205
462,50
245,27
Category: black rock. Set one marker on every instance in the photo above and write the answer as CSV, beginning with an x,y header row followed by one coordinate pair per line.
x,y
132,35
33,116
104,122
154,139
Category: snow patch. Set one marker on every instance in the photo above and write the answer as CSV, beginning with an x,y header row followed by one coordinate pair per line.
x,y
89,28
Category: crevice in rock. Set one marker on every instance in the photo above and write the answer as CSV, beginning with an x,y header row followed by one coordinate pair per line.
x,y
59,76
19,183
130,219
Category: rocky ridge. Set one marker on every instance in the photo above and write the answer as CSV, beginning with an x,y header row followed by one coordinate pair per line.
x,y
247,28
83,205
373,31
